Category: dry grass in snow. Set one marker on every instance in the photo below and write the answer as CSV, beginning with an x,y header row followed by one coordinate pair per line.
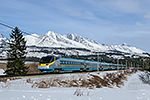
x,y
88,81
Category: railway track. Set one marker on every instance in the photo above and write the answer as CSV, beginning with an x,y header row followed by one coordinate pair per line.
x,y
3,78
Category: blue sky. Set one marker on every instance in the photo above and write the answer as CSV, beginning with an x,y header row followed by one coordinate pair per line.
x,y
109,22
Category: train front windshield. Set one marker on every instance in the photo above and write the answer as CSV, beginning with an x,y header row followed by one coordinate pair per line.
x,y
46,59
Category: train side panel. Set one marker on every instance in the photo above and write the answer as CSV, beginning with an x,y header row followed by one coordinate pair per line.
x,y
92,66
69,65
62,65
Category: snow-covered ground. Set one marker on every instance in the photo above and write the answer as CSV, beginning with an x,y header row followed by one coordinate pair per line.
x,y
2,72
133,89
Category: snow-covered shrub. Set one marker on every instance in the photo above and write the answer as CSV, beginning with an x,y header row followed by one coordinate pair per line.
x,y
7,84
29,80
145,77
78,92
115,79
99,82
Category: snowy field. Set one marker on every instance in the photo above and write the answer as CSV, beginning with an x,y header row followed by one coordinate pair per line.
x,y
2,72
20,89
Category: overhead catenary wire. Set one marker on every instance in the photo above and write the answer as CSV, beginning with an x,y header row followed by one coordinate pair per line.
x,y
6,25
11,27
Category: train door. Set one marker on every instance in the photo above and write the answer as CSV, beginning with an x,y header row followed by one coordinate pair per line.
x,y
85,63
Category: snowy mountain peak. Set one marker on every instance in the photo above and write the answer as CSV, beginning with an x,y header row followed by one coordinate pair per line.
x,y
3,40
2,36
125,44
75,37
80,39
70,36
50,33
34,35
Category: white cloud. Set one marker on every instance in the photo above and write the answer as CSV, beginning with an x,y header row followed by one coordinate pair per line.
x,y
139,24
147,15
127,6
81,14
124,6
88,15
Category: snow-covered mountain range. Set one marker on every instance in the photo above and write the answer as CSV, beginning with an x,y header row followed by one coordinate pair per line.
x,y
3,40
71,44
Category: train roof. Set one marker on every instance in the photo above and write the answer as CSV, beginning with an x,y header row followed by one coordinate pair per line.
x,y
71,59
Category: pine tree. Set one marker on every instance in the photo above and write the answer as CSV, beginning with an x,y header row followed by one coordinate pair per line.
x,y
16,54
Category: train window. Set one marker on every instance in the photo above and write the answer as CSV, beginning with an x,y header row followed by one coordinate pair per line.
x,y
61,62
65,62
47,59
68,62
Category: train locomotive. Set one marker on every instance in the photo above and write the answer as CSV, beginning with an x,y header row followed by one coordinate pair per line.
x,y
54,64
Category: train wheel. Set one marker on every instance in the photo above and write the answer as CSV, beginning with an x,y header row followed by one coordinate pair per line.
x,y
56,71
100,69
87,69
60,70
81,69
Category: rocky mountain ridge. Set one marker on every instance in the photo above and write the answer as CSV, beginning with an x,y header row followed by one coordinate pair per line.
x,y
53,43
